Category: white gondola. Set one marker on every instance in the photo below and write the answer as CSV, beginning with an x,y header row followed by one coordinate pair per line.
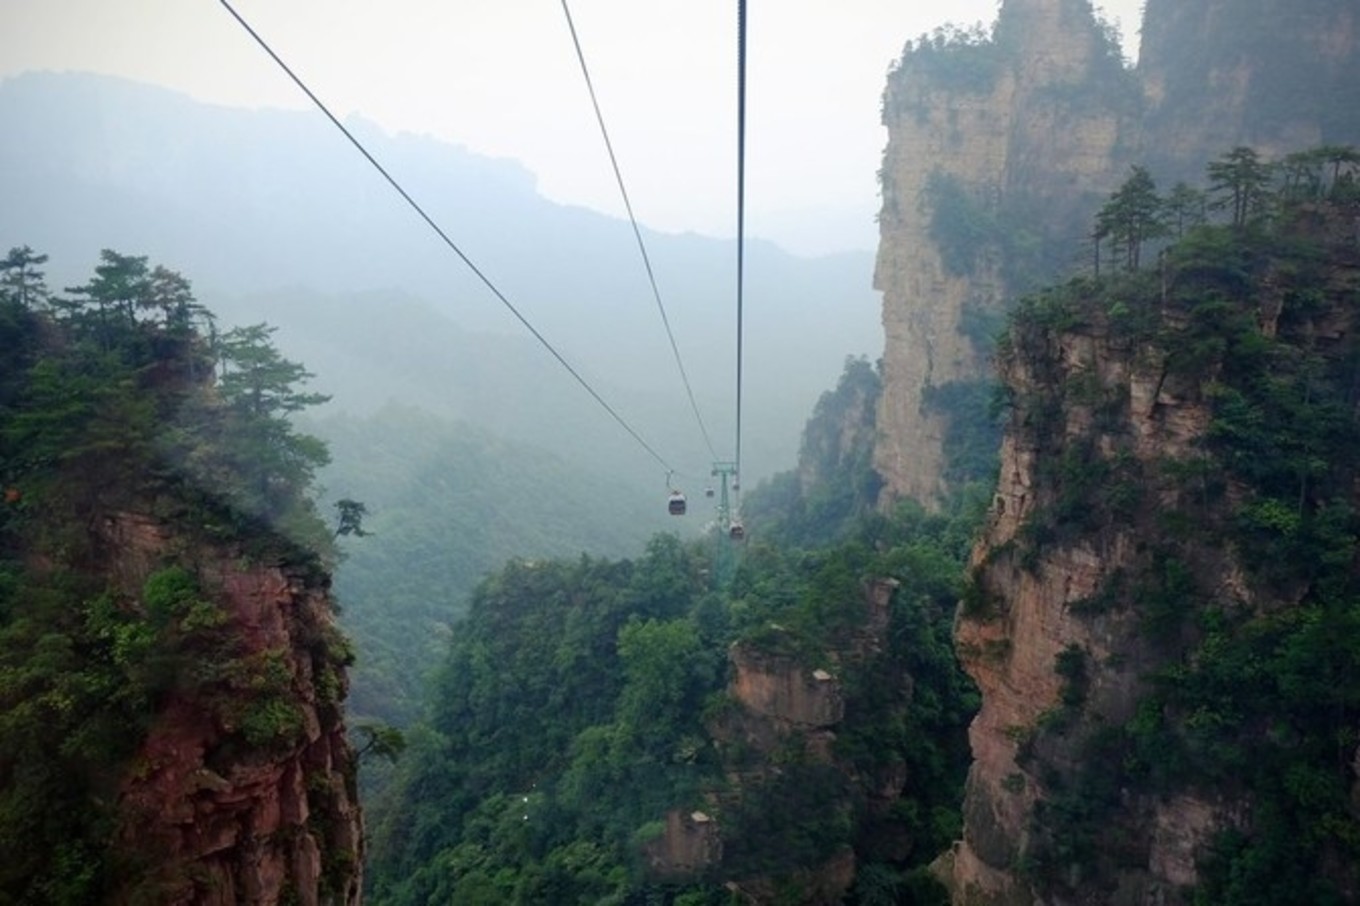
x,y
676,505
737,532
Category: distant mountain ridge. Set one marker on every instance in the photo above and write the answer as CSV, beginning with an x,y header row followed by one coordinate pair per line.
x,y
261,205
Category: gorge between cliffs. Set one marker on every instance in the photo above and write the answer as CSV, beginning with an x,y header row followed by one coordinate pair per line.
x,y
1060,603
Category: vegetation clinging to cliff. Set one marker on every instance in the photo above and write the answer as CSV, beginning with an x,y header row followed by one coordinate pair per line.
x,y
835,484
1245,584
109,403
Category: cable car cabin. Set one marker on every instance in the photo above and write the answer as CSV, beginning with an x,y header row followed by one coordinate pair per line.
x,y
708,492
676,504
737,532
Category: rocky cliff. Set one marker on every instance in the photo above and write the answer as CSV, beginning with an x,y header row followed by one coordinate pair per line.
x,y
1001,146
244,793
984,133
1158,541
171,675
781,829
1277,76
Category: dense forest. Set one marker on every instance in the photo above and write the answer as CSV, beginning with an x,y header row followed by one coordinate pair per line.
x,y
583,704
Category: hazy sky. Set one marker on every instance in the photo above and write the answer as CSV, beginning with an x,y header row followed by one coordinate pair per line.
x,y
501,77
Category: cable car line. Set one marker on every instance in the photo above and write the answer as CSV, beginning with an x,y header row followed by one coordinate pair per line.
x,y
637,233
741,201
486,281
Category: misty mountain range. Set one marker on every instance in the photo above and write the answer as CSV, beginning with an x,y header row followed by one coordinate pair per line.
x,y
275,217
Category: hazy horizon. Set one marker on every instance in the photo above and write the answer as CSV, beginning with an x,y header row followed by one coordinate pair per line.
x,y
503,81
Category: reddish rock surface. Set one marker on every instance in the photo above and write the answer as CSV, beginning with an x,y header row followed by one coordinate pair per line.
x,y
216,821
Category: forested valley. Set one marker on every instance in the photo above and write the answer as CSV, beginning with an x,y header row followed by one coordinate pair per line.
x,y
780,717
590,711
599,731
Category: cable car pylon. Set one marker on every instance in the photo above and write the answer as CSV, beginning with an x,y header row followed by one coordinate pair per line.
x,y
726,473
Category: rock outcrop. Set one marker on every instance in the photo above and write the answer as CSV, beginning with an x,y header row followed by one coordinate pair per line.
x,y
1001,147
779,829
687,846
1005,124
214,819
1111,527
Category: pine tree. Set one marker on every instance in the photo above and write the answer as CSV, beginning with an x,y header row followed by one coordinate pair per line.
x,y
1132,216
21,281
1239,181
262,387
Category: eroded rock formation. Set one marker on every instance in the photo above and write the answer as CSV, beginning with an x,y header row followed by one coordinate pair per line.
x,y
1001,149
1110,527
1003,126
216,820
777,739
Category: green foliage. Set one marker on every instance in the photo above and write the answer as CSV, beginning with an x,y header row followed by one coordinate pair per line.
x,y
21,280
961,227
378,740
972,439
107,405
958,58
579,699
1239,183
1256,700
351,518
1070,664
1132,216
978,230
573,682
835,483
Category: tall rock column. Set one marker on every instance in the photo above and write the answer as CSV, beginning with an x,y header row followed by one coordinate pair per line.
x,y
986,134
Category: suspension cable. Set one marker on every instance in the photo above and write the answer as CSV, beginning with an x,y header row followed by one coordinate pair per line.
x,y
637,233
429,221
741,201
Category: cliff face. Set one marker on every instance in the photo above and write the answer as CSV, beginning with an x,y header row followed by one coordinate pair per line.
x,y
215,820
1273,75
1000,123
785,822
1024,610
1001,147
171,677
1124,556
1135,564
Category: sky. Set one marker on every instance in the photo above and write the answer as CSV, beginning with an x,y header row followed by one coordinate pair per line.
x,y
501,78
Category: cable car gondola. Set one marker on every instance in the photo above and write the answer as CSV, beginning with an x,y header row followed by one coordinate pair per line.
x,y
676,504
737,532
